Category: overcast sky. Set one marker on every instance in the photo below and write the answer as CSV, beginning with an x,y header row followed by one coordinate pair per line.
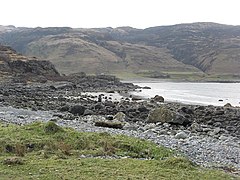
x,y
115,13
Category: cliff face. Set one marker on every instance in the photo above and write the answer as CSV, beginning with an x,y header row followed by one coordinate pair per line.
x,y
22,68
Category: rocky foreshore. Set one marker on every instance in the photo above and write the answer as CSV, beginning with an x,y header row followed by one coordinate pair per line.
x,y
208,135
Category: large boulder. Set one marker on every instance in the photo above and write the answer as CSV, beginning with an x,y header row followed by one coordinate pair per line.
x,y
77,110
165,115
160,114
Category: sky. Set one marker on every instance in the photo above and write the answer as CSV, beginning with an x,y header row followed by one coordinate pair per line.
x,y
115,13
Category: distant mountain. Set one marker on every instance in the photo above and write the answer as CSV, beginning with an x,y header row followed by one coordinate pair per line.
x,y
196,48
18,68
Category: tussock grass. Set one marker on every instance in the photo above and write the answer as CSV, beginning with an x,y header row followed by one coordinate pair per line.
x,y
47,151
50,137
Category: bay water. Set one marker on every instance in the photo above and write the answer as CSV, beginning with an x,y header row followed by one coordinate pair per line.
x,y
217,94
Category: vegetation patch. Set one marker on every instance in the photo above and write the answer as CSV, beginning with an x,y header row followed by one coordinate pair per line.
x,y
47,151
51,138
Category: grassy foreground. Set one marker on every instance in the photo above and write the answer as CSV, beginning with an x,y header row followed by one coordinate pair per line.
x,y
47,151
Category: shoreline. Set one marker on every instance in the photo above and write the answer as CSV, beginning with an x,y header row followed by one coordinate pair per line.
x,y
158,80
208,135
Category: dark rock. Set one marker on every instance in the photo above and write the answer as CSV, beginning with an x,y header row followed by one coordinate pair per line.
x,y
58,115
13,161
210,122
230,128
219,119
109,124
146,87
200,108
110,91
158,98
64,108
109,103
77,110
98,106
180,120
187,110
135,98
109,117
219,112
217,124
9,148
61,98
99,98
228,105
142,109
207,118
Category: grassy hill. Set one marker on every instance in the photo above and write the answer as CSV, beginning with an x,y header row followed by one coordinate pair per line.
x,y
197,48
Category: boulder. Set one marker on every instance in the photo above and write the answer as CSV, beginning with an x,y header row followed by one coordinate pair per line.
x,y
98,106
135,98
88,112
142,109
64,108
181,135
195,127
120,116
146,87
228,105
219,112
186,110
161,114
158,98
109,117
13,161
109,103
77,110
164,115
109,124
110,91
180,120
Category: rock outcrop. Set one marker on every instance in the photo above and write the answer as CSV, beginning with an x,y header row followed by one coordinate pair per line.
x,y
22,69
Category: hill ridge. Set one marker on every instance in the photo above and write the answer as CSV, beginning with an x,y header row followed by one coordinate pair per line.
x,y
202,47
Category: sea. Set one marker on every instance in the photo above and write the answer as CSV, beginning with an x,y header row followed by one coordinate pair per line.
x,y
217,94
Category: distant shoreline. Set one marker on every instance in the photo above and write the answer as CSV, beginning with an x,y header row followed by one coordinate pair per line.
x,y
151,80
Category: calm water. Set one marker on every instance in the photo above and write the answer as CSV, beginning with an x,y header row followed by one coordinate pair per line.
x,y
194,93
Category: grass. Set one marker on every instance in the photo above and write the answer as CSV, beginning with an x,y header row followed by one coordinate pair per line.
x,y
50,138
179,76
47,151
